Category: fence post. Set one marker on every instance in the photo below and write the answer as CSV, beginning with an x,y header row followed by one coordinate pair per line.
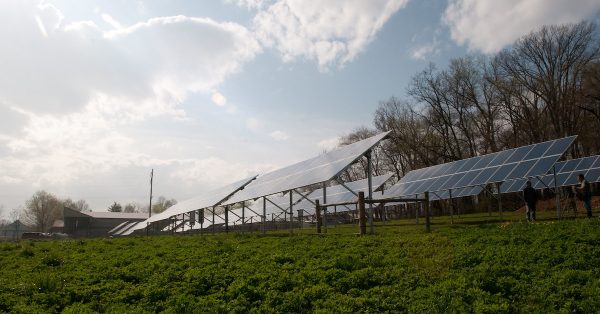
x,y
427,224
318,211
362,219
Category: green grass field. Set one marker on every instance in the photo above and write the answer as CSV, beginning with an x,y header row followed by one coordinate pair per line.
x,y
474,265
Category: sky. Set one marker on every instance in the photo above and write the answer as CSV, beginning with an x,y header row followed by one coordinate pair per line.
x,y
94,94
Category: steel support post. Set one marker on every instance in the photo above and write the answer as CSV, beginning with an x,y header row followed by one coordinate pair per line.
x,y
226,219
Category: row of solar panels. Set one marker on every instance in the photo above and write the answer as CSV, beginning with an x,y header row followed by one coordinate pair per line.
x,y
126,228
278,205
522,162
566,175
457,179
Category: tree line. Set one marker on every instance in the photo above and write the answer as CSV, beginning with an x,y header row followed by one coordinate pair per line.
x,y
42,209
545,86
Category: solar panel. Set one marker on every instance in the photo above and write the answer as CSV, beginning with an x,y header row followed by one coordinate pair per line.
x,y
312,171
207,199
527,161
566,175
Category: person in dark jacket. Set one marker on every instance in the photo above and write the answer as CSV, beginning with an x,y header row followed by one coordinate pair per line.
x,y
530,197
586,194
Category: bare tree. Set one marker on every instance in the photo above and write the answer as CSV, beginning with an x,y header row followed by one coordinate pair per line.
x,y
130,208
41,210
80,205
549,65
162,203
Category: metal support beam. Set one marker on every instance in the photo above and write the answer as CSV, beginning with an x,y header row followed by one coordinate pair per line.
x,y
305,196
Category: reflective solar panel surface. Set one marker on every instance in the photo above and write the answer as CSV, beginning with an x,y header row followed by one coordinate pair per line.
x,y
207,199
521,162
315,170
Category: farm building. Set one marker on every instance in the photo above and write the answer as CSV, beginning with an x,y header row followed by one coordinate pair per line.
x,y
97,224
14,230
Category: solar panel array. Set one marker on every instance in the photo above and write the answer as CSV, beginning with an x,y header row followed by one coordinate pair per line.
x,y
207,199
566,174
315,170
280,202
521,162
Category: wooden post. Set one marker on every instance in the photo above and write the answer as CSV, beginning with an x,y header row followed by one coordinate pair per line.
x,y
318,211
362,219
427,223
226,219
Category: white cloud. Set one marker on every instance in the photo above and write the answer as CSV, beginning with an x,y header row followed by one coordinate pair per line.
x,y
279,135
78,91
161,60
111,21
219,99
252,124
421,52
330,32
488,25
329,144
249,4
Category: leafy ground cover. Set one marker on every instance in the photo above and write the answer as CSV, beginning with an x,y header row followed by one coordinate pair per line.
x,y
476,264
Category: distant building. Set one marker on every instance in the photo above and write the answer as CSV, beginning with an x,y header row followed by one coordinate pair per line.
x,y
14,230
58,226
97,224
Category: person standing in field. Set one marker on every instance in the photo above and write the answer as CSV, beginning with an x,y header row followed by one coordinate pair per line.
x,y
586,194
530,197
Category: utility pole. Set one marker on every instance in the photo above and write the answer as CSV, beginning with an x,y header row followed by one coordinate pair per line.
x,y
150,206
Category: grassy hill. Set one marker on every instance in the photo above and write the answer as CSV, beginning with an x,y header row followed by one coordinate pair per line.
x,y
470,266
